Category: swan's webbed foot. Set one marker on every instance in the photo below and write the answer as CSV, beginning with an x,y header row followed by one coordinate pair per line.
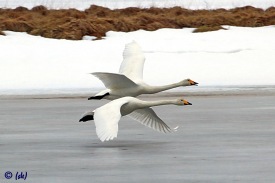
x,y
87,118
99,97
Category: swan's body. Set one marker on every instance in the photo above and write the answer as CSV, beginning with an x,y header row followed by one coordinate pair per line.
x,y
107,116
129,81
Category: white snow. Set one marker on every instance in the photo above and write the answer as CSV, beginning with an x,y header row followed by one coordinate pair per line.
x,y
237,56
116,4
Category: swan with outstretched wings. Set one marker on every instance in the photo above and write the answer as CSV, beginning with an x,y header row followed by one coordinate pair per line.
x,y
129,80
106,117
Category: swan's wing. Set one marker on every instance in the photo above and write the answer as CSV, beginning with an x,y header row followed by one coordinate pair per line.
x,y
103,92
150,119
106,119
114,81
133,62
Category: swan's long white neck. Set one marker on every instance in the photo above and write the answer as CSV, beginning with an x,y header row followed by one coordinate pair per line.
x,y
156,89
157,103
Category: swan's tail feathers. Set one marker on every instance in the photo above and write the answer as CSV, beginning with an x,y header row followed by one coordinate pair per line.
x,y
87,117
98,97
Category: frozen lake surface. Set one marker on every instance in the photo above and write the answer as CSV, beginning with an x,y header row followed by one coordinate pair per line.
x,y
220,139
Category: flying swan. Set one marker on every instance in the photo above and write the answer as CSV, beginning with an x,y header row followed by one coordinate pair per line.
x,y
107,116
129,81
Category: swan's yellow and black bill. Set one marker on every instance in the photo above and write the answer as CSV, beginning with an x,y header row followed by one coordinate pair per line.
x,y
193,82
186,102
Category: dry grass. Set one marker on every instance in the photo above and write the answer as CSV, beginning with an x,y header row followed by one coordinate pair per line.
x,y
96,21
206,28
2,33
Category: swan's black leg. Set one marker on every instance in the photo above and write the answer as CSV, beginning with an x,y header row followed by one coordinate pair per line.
x,y
99,97
87,118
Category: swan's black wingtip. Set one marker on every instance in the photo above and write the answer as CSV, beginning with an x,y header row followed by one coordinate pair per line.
x,y
90,98
86,118
98,97
95,98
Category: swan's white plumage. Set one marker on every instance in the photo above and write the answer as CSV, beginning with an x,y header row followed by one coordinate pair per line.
x,y
133,62
107,116
114,81
106,119
103,92
149,118
130,80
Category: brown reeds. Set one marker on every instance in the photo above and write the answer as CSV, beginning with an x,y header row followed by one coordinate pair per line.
x,y
96,21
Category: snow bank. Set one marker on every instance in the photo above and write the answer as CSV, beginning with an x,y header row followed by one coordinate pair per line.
x,y
237,56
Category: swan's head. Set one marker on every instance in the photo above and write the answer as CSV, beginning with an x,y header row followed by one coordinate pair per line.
x,y
189,82
182,102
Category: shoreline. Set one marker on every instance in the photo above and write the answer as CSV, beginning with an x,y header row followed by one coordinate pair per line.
x,y
205,93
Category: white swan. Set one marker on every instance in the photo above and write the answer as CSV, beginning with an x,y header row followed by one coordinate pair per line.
x,y
107,116
129,81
